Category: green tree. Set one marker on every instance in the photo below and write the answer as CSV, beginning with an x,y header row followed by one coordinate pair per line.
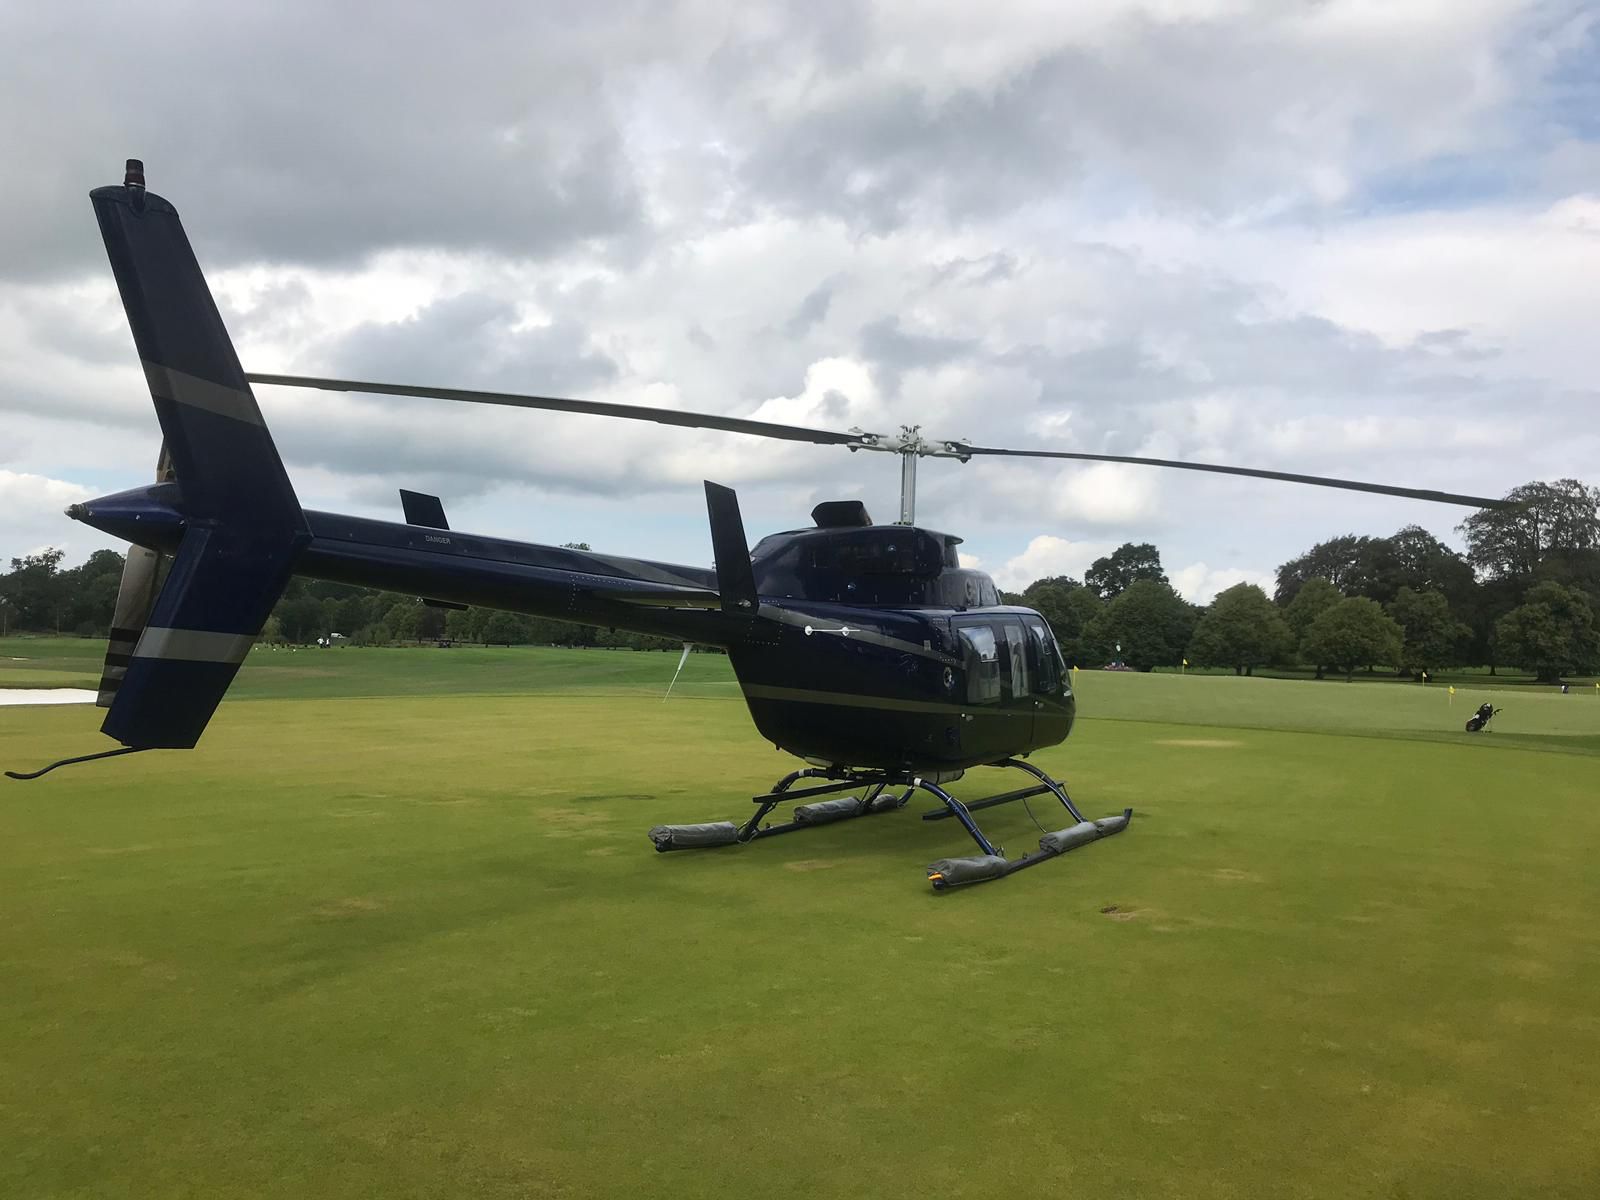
x,y
1548,517
1414,558
36,590
1151,622
1241,629
503,629
354,613
1552,633
458,625
1070,608
1432,637
1060,581
1313,597
1355,632
403,620
89,593
1130,562
1344,562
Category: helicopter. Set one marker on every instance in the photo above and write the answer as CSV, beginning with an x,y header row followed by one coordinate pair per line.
x,y
865,650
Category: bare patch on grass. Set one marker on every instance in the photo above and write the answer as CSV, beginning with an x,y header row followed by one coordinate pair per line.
x,y
1202,743
348,907
570,822
810,864
1117,913
140,848
1234,875
134,961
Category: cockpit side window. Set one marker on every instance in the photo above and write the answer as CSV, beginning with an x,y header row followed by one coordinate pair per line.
x,y
1049,667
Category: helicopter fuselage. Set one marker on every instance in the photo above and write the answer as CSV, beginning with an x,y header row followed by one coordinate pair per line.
x,y
869,646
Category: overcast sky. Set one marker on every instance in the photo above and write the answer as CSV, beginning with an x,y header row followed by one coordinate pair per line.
x,y
1341,238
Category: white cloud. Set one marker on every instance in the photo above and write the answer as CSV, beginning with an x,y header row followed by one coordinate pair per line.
x,y
32,506
1048,555
1199,584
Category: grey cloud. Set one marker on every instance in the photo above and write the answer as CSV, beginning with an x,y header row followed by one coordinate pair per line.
x,y
312,132
472,341
894,350
812,310
1258,108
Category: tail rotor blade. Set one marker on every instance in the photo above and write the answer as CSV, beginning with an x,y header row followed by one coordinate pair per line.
x,y
135,596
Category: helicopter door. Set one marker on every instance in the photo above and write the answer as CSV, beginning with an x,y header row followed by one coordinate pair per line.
x,y
1017,697
1053,706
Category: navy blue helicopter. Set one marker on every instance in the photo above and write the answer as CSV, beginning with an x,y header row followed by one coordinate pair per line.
x,y
865,650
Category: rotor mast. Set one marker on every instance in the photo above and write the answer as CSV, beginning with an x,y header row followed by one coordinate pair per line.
x,y
910,445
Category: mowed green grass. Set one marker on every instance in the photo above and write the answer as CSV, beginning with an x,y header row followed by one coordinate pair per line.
x,y
395,929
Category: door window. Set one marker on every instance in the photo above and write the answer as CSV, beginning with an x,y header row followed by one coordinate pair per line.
x,y
1016,660
981,655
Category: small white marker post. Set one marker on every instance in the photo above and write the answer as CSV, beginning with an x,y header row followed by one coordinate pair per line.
x,y
683,659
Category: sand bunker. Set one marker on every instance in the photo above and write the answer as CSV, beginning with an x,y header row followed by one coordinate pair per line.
x,y
46,696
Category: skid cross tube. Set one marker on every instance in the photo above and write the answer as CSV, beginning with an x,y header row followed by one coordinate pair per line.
x,y
940,814
772,799
874,783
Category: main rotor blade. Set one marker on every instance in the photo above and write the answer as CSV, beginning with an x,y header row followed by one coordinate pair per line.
x,y
1352,485
633,412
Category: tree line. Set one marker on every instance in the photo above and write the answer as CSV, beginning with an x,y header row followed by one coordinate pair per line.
x,y
38,596
1524,594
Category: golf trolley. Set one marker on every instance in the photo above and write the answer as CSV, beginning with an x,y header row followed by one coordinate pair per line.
x,y
1480,718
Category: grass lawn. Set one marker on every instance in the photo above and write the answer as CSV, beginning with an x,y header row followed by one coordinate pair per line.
x,y
395,930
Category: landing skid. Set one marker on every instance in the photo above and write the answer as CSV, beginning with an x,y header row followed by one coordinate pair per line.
x,y
885,791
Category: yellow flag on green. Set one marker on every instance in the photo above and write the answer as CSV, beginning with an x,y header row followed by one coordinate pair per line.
x,y
1452,689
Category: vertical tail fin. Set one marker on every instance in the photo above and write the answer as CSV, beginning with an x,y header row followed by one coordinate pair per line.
x,y
243,525
221,450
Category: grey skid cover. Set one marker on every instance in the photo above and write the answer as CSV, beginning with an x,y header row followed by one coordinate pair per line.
x,y
889,801
691,837
1062,840
968,870
828,810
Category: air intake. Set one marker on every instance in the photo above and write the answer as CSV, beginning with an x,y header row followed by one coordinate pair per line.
x,y
840,514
